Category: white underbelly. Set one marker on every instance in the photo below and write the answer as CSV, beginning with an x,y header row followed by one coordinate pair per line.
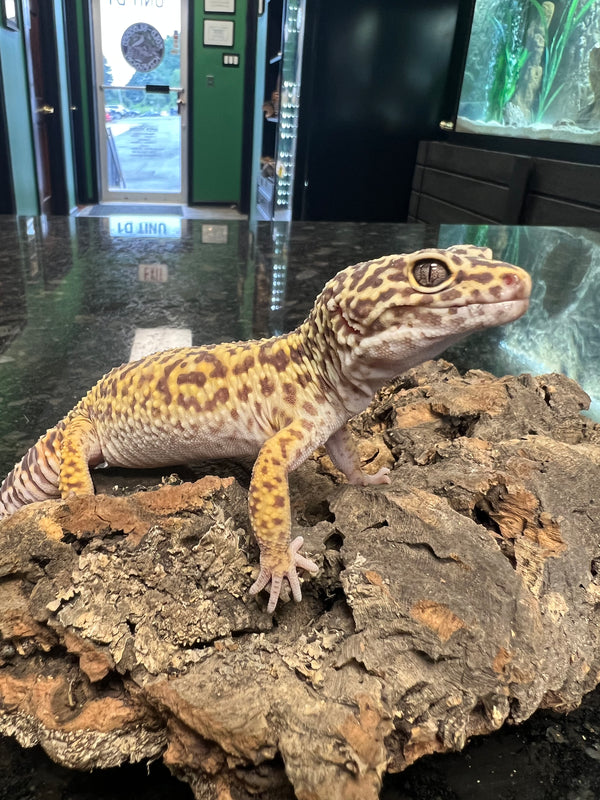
x,y
158,448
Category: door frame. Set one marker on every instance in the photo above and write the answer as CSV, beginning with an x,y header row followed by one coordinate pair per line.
x,y
45,105
130,196
7,195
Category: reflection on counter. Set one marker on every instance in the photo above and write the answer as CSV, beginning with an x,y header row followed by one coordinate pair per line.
x,y
151,226
533,70
73,297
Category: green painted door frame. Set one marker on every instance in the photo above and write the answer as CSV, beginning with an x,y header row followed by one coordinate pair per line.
x,y
217,108
15,91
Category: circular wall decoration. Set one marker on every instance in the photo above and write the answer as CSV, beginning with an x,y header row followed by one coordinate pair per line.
x,y
142,46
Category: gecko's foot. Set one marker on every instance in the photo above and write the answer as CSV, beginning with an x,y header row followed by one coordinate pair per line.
x,y
364,479
276,575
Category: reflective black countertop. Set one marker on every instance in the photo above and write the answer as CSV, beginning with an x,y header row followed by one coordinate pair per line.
x,y
76,292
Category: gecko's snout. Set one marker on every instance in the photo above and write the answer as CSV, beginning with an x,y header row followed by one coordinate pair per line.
x,y
517,283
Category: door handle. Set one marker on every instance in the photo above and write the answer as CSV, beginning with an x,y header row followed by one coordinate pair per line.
x,y
46,109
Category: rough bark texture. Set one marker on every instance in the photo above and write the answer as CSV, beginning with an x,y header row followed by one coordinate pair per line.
x,y
462,596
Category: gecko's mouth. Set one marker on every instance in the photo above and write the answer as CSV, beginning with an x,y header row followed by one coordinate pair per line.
x,y
519,305
476,315
492,314
516,302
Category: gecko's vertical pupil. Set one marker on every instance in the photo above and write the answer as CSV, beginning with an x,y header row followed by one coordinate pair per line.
x,y
428,272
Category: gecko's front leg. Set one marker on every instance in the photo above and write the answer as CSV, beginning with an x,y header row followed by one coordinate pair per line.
x,y
344,455
270,512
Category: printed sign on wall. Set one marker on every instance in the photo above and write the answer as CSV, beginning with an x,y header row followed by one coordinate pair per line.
x,y
218,33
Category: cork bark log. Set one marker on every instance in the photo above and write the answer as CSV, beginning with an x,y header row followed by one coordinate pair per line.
x,y
463,596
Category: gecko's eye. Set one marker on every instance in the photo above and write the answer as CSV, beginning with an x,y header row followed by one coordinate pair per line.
x,y
428,272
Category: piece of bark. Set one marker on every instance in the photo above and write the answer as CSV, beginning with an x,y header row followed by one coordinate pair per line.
x,y
462,596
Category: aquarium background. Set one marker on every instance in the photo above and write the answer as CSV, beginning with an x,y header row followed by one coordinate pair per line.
x,y
560,331
533,70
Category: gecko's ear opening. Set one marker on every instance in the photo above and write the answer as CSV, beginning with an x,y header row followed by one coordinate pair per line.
x,y
345,327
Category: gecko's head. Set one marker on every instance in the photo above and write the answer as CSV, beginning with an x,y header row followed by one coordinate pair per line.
x,y
407,308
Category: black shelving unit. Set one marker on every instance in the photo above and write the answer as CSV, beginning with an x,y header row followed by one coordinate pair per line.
x,y
265,195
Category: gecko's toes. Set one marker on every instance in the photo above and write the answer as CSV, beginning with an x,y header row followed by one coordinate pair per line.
x,y
264,576
276,584
383,476
364,479
294,582
300,560
275,577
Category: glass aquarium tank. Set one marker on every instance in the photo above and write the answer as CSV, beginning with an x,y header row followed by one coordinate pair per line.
x,y
533,70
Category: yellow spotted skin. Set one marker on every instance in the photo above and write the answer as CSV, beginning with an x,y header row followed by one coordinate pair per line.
x,y
276,399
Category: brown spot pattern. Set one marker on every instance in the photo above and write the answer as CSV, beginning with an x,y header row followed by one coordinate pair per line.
x,y
267,386
387,295
297,354
222,395
162,384
370,282
196,378
289,393
303,379
244,393
244,366
485,276
219,370
452,294
278,358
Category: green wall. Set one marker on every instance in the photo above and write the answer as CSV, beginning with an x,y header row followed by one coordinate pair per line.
x,y
217,111
84,91
65,102
16,99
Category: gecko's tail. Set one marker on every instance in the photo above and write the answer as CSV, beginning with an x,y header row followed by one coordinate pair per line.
x,y
35,477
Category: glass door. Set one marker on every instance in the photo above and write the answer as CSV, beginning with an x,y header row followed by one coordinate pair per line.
x,y
141,71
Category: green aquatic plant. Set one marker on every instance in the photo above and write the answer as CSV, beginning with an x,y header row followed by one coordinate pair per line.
x,y
555,48
477,235
507,65
503,241
512,249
